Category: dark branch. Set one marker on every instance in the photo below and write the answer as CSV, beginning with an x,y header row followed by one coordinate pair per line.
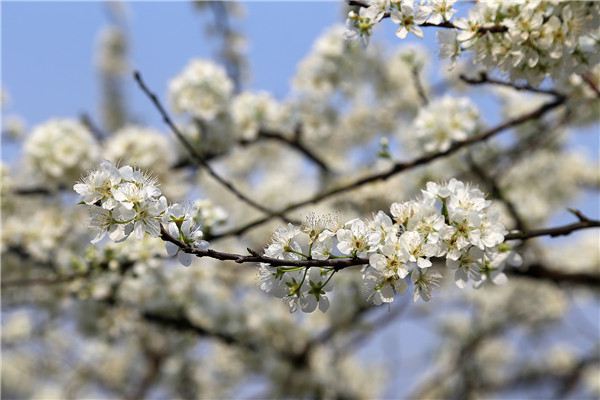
x,y
335,264
419,86
197,157
483,79
497,193
297,145
584,223
541,272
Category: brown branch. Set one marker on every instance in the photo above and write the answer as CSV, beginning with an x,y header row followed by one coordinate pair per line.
x,y
483,79
497,193
183,324
336,264
445,24
400,167
297,145
197,157
587,78
539,271
419,86
42,281
584,223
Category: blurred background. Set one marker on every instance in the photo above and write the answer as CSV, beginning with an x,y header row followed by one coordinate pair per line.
x,y
157,330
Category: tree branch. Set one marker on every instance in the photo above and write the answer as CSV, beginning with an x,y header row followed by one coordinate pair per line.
x,y
293,143
336,264
400,167
445,24
539,271
483,79
497,193
584,223
197,157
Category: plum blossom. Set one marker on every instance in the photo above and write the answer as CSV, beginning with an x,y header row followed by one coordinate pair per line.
x,y
408,16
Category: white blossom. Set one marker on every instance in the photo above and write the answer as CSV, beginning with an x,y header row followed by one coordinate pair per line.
x,y
442,122
202,90
252,112
60,151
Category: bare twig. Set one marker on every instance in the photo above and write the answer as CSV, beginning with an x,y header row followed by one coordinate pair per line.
x,y
497,193
445,24
541,272
197,157
335,264
590,82
400,167
297,145
419,86
483,79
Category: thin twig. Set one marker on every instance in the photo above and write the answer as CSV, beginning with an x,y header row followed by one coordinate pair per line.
x,y
483,79
419,86
400,167
197,157
341,263
335,264
497,193
293,143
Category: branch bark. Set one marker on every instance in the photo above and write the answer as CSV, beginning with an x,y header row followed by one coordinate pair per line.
x,y
197,157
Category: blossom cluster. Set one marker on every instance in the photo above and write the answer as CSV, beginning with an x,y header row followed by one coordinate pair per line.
x,y
203,90
444,121
452,221
143,147
528,40
407,14
253,111
126,201
60,150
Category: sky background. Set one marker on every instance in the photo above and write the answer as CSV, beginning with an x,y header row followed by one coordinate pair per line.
x,y
48,70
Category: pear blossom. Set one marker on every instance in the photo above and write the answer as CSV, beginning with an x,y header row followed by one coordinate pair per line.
x,y
408,16
60,151
440,11
353,239
442,122
424,281
98,185
202,90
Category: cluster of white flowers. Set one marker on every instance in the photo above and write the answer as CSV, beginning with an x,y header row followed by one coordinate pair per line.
x,y
202,90
127,201
444,121
331,64
527,39
538,39
453,221
254,111
407,14
60,150
141,147
208,215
